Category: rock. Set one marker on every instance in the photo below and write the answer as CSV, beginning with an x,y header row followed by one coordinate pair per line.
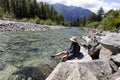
x,y
92,70
2,49
105,54
34,73
14,26
112,42
92,43
113,66
94,51
2,66
116,59
116,76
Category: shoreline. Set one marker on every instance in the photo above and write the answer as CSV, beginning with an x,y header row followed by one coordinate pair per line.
x,y
15,26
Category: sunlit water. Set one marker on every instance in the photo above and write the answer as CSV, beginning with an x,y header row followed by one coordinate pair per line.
x,y
35,48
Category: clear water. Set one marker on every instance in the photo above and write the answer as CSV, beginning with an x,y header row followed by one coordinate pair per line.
x,y
35,48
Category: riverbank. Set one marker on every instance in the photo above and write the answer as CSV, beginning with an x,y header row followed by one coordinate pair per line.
x,y
103,62
14,26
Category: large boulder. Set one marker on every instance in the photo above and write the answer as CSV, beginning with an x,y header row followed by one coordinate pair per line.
x,y
112,42
105,54
92,70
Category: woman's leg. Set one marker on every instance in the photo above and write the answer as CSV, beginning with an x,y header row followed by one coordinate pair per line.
x,y
64,58
61,53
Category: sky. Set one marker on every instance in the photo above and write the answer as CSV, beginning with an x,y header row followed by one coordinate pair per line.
x,y
93,5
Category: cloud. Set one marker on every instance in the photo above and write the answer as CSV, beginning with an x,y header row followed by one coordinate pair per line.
x,y
92,5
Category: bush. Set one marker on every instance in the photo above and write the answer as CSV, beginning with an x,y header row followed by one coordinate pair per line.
x,y
93,25
50,22
32,20
7,15
37,20
24,19
42,22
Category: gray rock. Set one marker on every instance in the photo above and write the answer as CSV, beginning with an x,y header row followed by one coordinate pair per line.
x,y
94,51
116,76
116,59
105,54
92,70
2,49
112,42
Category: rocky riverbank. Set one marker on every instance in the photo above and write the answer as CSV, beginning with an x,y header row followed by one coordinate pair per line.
x,y
14,26
105,63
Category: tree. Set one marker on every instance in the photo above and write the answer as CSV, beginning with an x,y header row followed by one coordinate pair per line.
x,y
12,7
100,14
4,4
92,17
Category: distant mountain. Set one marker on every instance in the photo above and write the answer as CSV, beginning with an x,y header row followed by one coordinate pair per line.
x,y
71,13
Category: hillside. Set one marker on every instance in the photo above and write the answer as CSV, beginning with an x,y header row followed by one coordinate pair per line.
x,y
71,13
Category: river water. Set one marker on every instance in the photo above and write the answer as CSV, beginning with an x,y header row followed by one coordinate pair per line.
x,y
34,48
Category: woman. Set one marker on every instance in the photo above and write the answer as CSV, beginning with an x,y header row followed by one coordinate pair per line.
x,y
72,53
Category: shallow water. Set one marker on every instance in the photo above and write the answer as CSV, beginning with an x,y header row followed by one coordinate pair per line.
x,y
35,48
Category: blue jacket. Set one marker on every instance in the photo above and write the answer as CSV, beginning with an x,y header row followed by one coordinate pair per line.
x,y
73,51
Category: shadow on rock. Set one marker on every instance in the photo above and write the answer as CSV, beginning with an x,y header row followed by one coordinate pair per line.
x,y
80,55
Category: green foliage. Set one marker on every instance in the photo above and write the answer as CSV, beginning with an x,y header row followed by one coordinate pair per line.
x,y
24,19
6,15
92,18
32,20
93,24
42,22
37,20
78,22
1,14
50,22
110,21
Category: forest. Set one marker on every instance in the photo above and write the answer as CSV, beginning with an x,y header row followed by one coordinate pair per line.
x,y
30,10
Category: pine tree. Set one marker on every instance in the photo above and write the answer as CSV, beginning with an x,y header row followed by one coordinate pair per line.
x,y
100,14
4,4
92,17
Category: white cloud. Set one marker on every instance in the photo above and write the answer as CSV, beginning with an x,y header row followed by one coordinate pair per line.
x,y
92,5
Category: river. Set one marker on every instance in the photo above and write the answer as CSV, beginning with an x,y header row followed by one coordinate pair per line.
x,y
20,49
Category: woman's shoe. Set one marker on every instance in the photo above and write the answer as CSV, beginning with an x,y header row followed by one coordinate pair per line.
x,y
52,56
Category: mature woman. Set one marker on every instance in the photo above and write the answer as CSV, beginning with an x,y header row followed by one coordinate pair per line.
x,y
72,53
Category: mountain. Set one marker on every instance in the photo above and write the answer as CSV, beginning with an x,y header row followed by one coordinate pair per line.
x,y
71,13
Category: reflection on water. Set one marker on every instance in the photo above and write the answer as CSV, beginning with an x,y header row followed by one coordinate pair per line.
x,y
35,48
